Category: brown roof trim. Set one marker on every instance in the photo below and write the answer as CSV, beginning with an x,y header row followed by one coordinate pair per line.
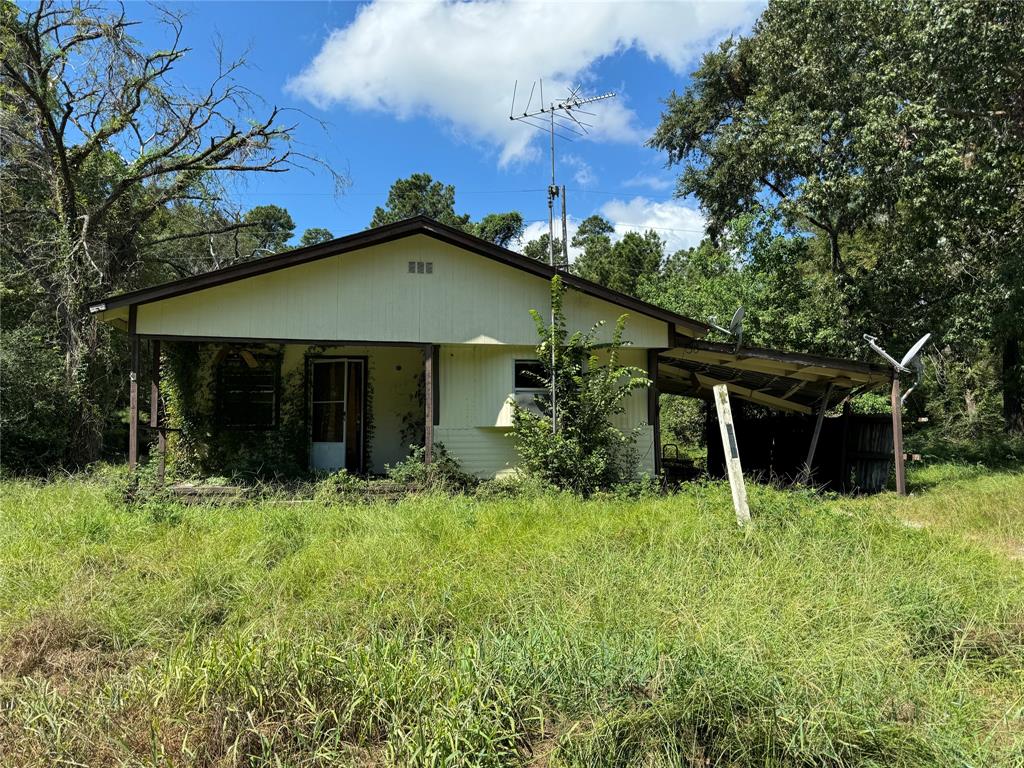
x,y
419,225
796,358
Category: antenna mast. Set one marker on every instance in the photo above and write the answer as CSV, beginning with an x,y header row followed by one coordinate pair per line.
x,y
565,111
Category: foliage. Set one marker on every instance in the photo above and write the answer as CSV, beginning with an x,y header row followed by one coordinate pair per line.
x,y
586,452
452,631
619,265
892,134
315,236
101,147
443,473
538,249
504,229
340,487
420,195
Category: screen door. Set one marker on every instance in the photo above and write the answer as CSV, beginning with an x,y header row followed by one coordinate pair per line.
x,y
329,395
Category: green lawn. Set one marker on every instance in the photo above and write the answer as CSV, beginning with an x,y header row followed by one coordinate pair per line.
x,y
547,631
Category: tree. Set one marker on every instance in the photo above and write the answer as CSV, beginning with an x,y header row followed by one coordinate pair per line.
x,y
538,249
315,235
891,132
97,142
420,195
268,228
587,452
504,229
594,239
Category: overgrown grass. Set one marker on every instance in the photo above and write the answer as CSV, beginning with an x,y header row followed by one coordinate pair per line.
x,y
452,631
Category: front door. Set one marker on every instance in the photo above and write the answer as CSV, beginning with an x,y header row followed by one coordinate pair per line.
x,y
336,396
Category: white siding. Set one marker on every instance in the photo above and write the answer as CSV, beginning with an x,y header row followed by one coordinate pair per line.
x,y
369,295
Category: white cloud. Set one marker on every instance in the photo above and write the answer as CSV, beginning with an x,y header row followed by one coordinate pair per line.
x,y
455,61
583,174
657,183
680,225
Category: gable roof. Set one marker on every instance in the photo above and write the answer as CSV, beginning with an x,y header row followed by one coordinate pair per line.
x,y
418,225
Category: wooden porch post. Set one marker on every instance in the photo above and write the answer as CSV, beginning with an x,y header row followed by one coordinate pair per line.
x,y
805,476
428,403
154,412
897,436
654,407
133,390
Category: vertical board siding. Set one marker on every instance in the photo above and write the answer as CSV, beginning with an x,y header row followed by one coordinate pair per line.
x,y
370,295
483,453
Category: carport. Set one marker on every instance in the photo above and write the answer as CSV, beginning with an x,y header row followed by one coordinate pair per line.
x,y
849,453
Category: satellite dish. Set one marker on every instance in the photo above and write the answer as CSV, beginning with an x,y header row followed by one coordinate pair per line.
x,y
910,361
914,350
735,328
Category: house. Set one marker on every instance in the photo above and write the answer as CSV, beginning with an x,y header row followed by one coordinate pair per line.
x,y
343,354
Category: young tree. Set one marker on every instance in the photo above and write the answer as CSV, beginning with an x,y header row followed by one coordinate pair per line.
x,y
587,452
98,141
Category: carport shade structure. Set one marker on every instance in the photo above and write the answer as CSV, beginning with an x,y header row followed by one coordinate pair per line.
x,y
784,381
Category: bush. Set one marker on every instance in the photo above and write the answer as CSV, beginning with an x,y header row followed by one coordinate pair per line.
x,y
587,452
443,473
340,487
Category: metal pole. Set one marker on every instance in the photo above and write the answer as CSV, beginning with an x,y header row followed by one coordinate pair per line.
x,y
897,436
551,261
565,234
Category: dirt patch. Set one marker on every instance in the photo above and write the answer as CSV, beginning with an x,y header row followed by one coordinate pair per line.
x,y
56,647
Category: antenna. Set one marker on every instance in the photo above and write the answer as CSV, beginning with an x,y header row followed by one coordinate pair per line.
x,y
910,362
568,125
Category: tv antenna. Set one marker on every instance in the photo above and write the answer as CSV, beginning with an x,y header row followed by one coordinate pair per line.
x,y
735,328
911,361
543,117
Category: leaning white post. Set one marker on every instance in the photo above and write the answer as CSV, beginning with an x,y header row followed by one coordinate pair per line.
x,y
732,454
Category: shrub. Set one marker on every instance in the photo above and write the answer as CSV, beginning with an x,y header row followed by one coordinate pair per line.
x,y
340,487
586,452
443,473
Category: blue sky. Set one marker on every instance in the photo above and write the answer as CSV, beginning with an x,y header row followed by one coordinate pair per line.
x,y
410,87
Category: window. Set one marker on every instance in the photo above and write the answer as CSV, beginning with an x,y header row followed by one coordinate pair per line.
x,y
529,385
421,267
247,390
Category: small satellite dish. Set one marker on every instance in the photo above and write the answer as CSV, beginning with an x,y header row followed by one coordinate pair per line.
x,y
910,362
735,328
914,350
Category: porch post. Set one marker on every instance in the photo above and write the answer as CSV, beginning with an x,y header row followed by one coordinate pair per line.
x,y
428,403
154,411
133,390
805,475
654,407
897,436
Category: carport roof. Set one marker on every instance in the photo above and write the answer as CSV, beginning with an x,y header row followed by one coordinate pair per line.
x,y
786,381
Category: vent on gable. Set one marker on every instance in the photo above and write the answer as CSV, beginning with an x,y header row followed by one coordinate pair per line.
x,y
421,267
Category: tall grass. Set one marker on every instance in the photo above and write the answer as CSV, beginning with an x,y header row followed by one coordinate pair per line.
x,y
548,631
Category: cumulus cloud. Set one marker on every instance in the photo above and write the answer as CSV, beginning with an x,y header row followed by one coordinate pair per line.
x,y
455,61
583,174
680,224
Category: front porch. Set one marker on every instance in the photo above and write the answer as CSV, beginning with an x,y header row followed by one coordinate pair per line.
x,y
275,408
